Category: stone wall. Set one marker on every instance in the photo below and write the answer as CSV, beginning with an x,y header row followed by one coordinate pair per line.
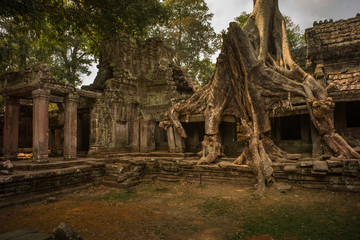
x,y
125,171
33,182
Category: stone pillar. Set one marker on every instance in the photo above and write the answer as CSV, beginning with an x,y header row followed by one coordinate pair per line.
x,y
171,139
11,128
70,126
147,136
179,142
136,137
40,125
144,136
94,130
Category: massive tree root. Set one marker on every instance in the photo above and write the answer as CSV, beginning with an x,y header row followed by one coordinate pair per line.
x,y
255,65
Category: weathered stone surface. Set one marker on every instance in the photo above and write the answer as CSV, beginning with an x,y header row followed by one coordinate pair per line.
x,y
121,177
5,172
70,126
290,168
331,40
7,165
11,128
336,170
294,156
283,187
230,165
64,232
306,163
40,125
351,164
25,234
334,164
320,166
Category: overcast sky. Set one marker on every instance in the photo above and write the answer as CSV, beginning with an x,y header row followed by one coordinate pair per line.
x,y
302,12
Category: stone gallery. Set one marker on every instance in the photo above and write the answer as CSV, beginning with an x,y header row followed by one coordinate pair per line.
x,y
143,117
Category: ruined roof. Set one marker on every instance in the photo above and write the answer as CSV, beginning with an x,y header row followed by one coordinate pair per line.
x,y
345,81
336,45
334,49
334,34
137,63
21,84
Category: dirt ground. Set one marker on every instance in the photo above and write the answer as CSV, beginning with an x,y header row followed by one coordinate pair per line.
x,y
161,210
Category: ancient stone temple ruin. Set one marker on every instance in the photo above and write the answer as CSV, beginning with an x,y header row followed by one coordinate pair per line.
x,y
120,111
119,121
138,82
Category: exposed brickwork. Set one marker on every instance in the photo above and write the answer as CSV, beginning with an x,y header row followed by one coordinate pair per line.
x,y
334,44
344,81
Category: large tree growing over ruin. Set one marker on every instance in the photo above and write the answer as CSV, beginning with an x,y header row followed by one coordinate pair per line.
x,y
255,65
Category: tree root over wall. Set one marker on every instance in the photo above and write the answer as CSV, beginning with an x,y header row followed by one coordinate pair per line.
x,y
255,65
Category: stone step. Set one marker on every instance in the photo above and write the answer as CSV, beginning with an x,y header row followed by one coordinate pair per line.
x,y
125,184
25,233
28,165
228,159
82,154
38,196
150,154
117,165
41,181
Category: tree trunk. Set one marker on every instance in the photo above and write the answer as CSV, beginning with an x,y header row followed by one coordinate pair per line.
x,y
255,65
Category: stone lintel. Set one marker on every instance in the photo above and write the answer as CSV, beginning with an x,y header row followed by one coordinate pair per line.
x,y
40,94
88,93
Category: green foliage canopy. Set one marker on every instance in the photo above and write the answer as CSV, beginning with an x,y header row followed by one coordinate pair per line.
x,y
66,34
188,30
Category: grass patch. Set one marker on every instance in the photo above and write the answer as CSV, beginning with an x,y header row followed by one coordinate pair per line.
x,y
218,206
316,221
116,195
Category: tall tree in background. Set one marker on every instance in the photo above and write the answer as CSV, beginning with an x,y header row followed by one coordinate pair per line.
x,y
65,53
189,31
296,37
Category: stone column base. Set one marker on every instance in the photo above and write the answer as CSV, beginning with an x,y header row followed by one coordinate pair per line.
x,y
10,157
92,152
70,157
41,159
